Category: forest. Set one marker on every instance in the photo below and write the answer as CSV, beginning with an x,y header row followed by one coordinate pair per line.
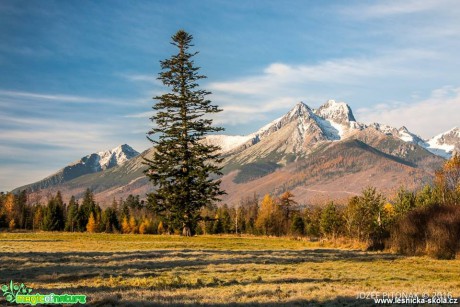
x,y
426,221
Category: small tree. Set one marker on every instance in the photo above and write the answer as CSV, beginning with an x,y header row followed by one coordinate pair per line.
x,y
161,228
364,217
12,225
269,218
92,225
72,215
133,225
447,181
125,226
298,226
331,221
182,166
405,201
53,218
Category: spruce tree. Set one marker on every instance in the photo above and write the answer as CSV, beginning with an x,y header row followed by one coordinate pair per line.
x,y
182,167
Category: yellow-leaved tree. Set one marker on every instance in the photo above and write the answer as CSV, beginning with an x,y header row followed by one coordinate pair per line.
x,y
448,181
125,226
268,219
133,225
92,224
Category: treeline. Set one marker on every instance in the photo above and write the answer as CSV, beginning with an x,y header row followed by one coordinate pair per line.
x,y
426,221
124,216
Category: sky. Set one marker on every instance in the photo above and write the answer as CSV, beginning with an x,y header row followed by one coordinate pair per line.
x,y
78,77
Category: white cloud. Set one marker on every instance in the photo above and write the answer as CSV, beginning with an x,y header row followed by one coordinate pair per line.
x,y
142,78
279,86
437,114
141,115
395,7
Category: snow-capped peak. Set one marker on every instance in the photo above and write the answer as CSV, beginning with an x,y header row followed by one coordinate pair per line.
x,y
116,156
299,111
338,112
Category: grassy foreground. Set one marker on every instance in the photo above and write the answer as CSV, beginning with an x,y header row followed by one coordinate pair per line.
x,y
141,270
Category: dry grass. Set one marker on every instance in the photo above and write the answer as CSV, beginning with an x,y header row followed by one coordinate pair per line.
x,y
228,270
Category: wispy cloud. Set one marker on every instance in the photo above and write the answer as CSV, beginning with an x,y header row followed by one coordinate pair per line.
x,y
394,7
51,130
142,78
279,86
427,117
60,98
141,115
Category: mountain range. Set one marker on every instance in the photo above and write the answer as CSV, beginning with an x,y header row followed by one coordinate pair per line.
x,y
318,154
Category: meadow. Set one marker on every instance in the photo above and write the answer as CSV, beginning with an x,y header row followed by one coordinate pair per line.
x,y
136,270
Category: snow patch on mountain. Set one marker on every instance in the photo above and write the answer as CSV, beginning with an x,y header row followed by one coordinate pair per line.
x,y
227,142
107,159
331,130
116,156
445,144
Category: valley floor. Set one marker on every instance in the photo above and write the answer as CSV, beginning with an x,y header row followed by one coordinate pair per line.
x,y
138,270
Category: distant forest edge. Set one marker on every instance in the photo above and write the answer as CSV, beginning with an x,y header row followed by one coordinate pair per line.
x,y
426,221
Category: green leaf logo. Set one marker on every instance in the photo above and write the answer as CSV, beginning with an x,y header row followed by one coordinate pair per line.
x,y
10,292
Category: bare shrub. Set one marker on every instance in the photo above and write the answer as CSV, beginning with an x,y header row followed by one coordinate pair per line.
x,y
443,233
433,230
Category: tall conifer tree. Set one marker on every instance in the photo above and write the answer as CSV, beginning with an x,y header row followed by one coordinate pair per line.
x,y
182,167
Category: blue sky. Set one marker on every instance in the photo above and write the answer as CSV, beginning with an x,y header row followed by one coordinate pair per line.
x,y
77,77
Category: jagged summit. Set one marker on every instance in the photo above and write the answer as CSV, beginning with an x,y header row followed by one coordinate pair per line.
x,y
339,112
304,128
116,156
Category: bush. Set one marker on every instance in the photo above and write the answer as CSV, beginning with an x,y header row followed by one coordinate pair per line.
x,y
443,234
433,230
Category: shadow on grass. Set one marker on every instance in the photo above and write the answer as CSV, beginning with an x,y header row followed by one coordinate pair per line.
x,y
75,266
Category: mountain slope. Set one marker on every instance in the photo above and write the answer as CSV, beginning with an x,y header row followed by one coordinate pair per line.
x,y
316,153
334,170
92,163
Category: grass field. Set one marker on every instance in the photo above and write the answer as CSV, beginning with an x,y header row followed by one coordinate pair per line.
x,y
141,270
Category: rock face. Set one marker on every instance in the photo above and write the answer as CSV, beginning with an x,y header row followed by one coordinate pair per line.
x,y
318,154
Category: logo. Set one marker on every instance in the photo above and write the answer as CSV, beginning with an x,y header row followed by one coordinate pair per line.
x,y
20,294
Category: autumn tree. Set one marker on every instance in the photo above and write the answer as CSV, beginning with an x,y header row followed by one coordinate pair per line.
x,y
125,228
87,207
37,217
182,167
9,206
92,225
447,181
286,203
133,225
269,219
